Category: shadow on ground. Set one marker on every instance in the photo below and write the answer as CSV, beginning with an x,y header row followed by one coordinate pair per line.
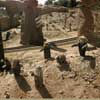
x,y
59,49
44,92
22,83
64,67
92,61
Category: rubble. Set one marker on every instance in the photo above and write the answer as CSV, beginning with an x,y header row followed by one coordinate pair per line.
x,y
7,95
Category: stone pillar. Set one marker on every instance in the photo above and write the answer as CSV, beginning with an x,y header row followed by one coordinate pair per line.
x,y
31,32
1,46
88,26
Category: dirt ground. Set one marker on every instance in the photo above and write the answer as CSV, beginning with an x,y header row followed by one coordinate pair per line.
x,y
79,79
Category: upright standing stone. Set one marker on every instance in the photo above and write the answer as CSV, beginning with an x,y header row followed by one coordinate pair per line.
x,y
38,76
31,26
88,26
1,46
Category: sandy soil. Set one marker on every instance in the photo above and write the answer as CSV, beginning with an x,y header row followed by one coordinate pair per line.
x,y
78,80
81,79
